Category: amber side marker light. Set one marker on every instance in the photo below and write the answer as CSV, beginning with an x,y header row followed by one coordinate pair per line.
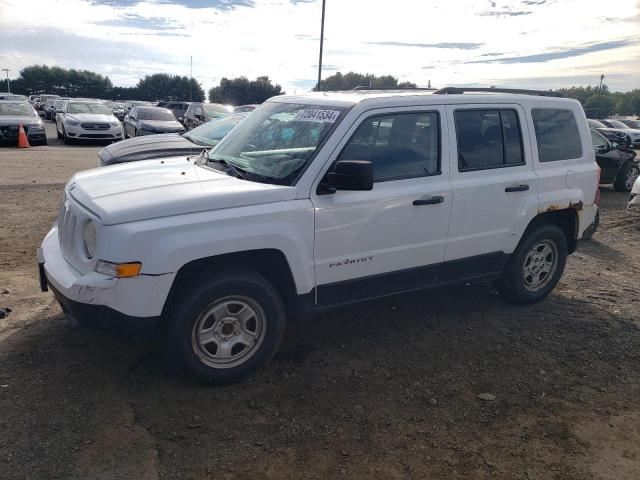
x,y
119,270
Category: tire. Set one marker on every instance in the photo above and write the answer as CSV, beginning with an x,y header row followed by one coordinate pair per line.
x,y
58,133
215,305
626,177
543,246
587,235
66,140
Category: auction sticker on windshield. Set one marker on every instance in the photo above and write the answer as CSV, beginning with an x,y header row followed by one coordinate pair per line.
x,y
317,115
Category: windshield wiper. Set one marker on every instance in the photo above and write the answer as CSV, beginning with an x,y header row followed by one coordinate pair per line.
x,y
224,163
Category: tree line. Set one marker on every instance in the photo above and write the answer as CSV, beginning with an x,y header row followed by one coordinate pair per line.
x,y
37,79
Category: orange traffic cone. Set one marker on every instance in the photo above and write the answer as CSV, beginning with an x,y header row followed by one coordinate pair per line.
x,y
23,141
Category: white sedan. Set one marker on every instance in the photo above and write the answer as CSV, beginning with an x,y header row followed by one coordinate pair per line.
x,y
87,120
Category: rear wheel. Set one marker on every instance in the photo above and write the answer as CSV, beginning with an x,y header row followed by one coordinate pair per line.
x,y
626,177
222,329
536,266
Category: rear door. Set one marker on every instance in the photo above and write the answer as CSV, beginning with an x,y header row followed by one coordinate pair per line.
x,y
494,187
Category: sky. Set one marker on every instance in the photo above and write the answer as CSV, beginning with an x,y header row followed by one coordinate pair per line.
x,y
514,43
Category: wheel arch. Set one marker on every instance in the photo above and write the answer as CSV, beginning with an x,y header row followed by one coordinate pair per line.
x,y
566,219
271,263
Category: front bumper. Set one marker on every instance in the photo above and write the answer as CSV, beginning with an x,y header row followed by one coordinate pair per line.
x,y
128,306
112,133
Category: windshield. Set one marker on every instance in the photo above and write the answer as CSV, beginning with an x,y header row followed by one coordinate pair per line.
x,y
596,124
212,132
617,124
153,113
15,109
215,111
88,108
277,140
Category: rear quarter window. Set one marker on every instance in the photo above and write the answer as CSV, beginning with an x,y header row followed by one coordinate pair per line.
x,y
557,134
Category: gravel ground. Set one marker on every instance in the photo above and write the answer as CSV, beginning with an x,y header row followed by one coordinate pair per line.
x,y
384,390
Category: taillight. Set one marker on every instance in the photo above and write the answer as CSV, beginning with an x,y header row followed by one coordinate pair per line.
x,y
597,199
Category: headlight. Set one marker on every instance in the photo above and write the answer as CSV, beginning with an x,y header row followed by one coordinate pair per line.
x,y
35,126
71,123
89,237
119,270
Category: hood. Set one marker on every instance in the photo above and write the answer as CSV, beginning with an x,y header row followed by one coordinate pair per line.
x,y
162,124
147,147
161,188
16,119
91,117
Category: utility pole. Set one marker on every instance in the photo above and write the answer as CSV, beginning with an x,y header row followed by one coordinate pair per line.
x,y
190,77
8,84
598,97
321,45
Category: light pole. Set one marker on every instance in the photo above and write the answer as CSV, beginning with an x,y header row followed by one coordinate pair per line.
x,y
598,97
8,84
321,45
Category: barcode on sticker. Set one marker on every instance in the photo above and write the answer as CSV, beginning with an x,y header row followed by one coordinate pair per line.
x,y
317,115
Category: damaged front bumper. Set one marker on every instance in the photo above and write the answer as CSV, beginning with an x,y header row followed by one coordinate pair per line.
x,y
128,306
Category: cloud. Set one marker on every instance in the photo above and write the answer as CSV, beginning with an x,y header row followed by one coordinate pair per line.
x,y
534,2
197,4
460,46
137,21
571,52
504,13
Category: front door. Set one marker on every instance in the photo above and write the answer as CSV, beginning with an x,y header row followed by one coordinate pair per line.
x,y
392,238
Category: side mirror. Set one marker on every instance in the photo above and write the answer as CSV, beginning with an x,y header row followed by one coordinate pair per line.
x,y
351,175
614,146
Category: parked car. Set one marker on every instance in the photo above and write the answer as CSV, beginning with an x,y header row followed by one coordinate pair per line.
x,y
634,196
87,120
118,109
150,121
612,134
12,114
33,99
43,100
50,108
618,166
631,123
170,144
632,133
129,104
57,106
318,201
199,113
12,96
178,108
245,108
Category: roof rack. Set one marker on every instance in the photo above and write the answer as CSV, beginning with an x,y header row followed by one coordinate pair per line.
x,y
461,90
366,87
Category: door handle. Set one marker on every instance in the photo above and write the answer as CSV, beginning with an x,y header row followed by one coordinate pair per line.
x,y
516,188
429,200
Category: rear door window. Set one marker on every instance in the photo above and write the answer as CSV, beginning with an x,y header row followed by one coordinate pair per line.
x,y
488,139
557,134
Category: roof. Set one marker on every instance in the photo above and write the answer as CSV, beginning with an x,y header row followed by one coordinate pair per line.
x,y
446,95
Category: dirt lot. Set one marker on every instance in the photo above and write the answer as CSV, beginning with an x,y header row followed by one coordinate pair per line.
x,y
385,390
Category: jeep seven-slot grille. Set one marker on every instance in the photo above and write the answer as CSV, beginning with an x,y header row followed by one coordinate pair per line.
x,y
66,230
95,126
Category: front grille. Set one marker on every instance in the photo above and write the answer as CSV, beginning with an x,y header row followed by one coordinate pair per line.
x,y
95,126
66,230
11,131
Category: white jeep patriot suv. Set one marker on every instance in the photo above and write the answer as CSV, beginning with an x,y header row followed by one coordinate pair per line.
x,y
317,201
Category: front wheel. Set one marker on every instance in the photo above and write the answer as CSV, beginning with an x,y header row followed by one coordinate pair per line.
x,y
222,329
626,177
536,266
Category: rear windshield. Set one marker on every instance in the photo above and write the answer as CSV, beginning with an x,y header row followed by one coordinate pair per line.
x,y
88,108
15,108
153,113
215,110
